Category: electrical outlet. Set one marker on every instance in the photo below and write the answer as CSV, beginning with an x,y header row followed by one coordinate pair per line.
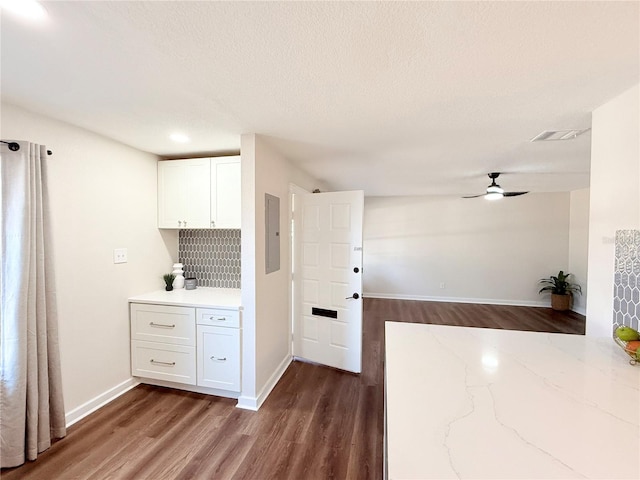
x,y
443,285
120,255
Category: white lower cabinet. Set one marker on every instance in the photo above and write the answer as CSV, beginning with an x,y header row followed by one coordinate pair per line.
x,y
187,346
218,357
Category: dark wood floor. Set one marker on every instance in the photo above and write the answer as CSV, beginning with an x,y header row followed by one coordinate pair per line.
x,y
318,423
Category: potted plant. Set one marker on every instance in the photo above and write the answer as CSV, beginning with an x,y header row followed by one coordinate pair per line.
x,y
168,280
561,290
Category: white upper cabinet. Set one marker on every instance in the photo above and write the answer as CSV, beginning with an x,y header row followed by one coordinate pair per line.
x,y
199,193
225,192
183,193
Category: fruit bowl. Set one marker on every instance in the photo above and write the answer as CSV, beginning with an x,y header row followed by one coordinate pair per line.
x,y
631,348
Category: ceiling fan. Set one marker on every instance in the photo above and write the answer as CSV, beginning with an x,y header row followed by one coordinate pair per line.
x,y
495,191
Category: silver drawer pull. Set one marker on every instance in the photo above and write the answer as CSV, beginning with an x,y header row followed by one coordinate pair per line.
x,y
156,362
162,325
219,319
223,359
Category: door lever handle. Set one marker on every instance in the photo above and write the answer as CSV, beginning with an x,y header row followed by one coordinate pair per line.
x,y
355,296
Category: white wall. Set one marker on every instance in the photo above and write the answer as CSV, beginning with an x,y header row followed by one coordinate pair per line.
x,y
265,298
483,251
615,198
579,245
102,196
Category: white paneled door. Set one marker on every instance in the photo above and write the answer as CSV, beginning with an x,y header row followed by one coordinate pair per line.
x,y
327,279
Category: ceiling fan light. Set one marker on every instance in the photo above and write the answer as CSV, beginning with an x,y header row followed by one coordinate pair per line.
x,y
495,189
493,195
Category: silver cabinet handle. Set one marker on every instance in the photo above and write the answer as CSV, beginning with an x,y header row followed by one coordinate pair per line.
x,y
213,224
157,362
179,223
219,319
161,325
185,223
223,359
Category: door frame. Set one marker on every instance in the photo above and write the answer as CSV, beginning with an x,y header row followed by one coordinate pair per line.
x,y
293,190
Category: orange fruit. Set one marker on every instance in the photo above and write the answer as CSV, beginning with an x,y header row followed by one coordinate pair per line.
x,y
632,347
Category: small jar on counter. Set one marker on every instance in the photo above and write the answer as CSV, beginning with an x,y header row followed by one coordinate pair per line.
x,y
190,283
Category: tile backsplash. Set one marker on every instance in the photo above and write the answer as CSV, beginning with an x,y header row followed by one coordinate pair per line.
x,y
626,284
212,256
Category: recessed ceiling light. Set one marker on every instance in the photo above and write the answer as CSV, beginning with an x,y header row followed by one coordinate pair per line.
x,y
179,137
29,9
551,135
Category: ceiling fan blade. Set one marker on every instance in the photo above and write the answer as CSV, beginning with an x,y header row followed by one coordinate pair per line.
x,y
475,196
513,194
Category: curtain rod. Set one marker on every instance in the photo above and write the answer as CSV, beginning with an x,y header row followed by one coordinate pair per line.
x,y
14,147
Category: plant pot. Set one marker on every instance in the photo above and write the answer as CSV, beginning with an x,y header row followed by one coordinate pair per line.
x,y
168,288
561,302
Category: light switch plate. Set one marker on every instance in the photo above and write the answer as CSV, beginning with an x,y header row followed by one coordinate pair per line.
x,y
120,255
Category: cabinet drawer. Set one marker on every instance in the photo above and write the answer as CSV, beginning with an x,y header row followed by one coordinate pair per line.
x,y
219,358
161,323
221,318
174,363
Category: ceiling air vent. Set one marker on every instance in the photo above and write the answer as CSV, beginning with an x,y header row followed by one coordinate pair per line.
x,y
549,135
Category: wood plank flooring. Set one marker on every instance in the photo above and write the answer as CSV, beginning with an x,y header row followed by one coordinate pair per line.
x,y
318,423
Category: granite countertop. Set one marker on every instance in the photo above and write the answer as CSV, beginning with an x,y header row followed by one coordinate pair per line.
x,y
482,403
200,297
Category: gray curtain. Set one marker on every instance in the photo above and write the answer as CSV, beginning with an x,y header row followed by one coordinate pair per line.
x,y
31,404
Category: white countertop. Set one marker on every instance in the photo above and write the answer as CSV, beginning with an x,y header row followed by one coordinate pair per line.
x,y
480,403
200,297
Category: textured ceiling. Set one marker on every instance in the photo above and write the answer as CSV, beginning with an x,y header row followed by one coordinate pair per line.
x,y
390,97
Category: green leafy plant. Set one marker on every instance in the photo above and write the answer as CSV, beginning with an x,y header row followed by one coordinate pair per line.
x,y
559,285
169,278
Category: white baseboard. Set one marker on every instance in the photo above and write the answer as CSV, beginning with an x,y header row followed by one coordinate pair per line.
x,y
254,403
580,310
189,388
248,403
486,301
101,400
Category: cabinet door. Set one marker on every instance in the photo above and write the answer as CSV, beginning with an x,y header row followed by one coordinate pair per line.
x,y
198,193
172,204
225,192
184,193
218,353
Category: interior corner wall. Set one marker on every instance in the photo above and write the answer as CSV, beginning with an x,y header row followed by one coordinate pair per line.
x,y
579,245
102,196
464,250
248,268
614,199
266,297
